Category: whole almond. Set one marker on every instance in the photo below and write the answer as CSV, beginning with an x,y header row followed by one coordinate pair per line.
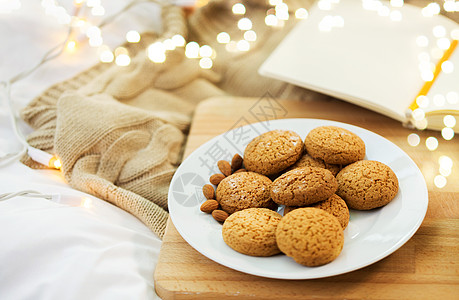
x,y
236,162
216,178
220,215
240,170
208,191
209,206
224,167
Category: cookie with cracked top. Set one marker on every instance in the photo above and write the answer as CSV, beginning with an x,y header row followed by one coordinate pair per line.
x,y
311,236
367,184
334,145
273,151
303,186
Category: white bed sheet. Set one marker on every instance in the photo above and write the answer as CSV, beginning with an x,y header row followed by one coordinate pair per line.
x,y
78,247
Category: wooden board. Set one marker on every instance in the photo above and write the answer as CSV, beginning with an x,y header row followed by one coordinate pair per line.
x,y
426,267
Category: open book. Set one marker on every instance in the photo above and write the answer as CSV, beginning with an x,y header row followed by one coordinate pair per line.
x,y
393,60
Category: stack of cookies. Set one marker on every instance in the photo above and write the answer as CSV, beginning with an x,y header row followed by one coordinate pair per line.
x,y
315,182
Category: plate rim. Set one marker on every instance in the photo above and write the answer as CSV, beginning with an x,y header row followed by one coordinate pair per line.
x,y
406,237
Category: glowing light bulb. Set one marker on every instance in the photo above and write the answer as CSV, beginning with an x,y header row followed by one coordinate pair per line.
x,y
449,121
250,36
396,3
439,31
445,162
449,5
243,45
157,52
431,143
95,41
205,63
192,50
238,9
71,46
447,133
132,36
86,202
440,181
123,60
244,24
93,32
421,124
179,41
443,43
427,75
413,139
169,44
271,20
301,13
275,2
205,51
447,67
231,46
55,163
223,38
418,114
106,56
422,101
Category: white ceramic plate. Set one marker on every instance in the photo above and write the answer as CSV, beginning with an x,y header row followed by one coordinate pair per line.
x,y
369,237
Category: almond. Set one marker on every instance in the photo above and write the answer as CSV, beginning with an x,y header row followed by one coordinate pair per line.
x,y
236,162
224,167
208,191
216,178
220,215
209,206
240,170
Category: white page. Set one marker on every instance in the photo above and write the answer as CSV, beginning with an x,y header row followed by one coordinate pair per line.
x,y
372,60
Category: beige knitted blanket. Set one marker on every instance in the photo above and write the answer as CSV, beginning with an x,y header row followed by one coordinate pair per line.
x,y
119,131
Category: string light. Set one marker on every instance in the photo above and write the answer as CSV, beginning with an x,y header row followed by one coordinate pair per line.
x,y
452,97
243,45
192,50
223,38
169,45
449,121
271,20
238,9
431,143
123,60
205,63
422,101
244,24
156,52
440,181
179,41
413,139
447,67
71,46
132,36
447,133
396,3
250,36
439,31
205,51
301,13
443,43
